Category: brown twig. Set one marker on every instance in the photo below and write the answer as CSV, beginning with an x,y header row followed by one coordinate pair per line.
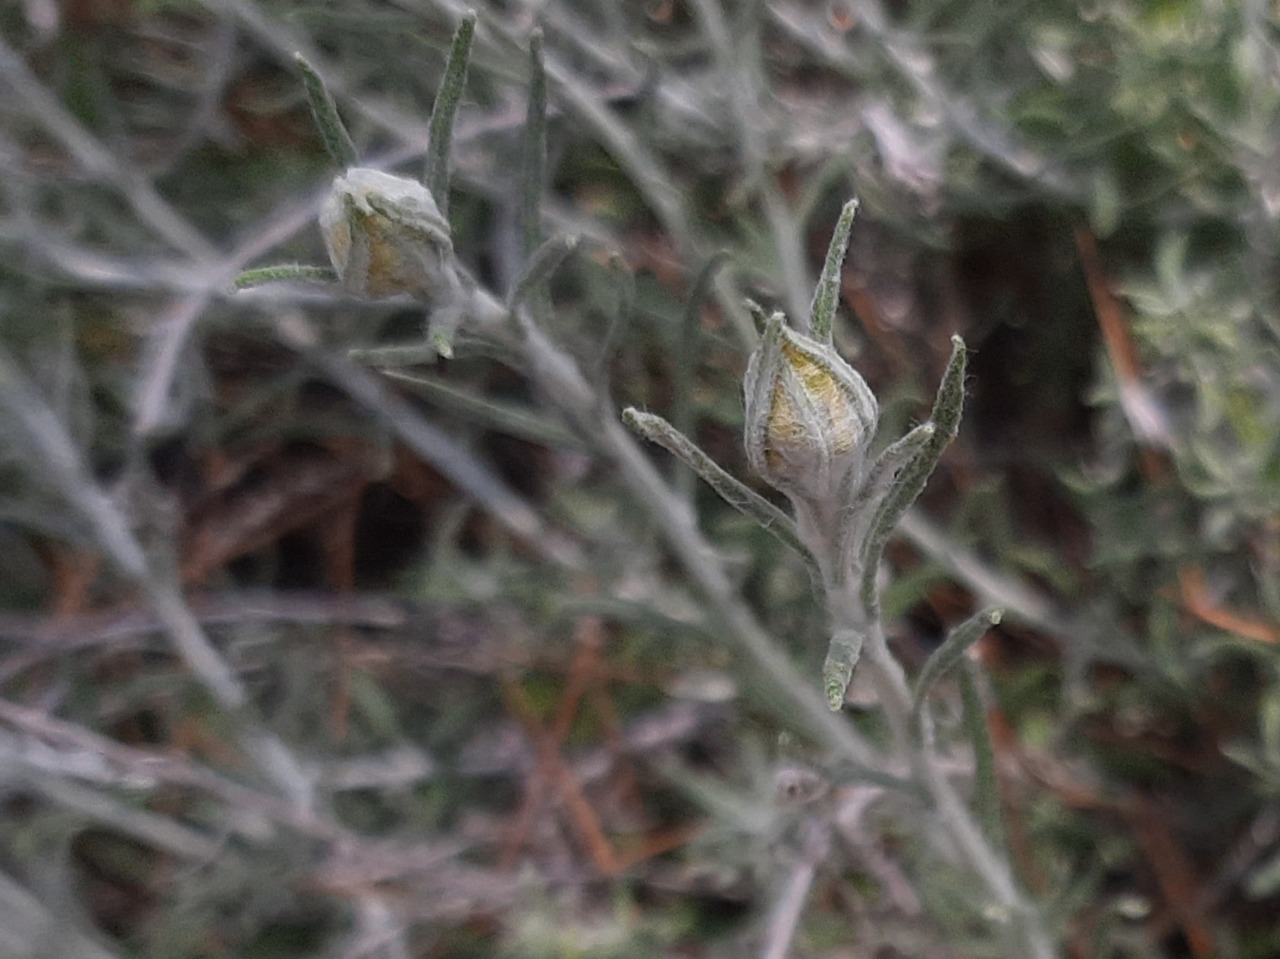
x,y
1197,601
1121,350
553,776
338,541
1173,870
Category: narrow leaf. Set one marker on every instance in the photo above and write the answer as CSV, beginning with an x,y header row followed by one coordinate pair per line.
x,y
445,110
880,478
953,649
949,403
892,460
505,418
325,112
401,354
986,791
625,283
284,272
682,408
826,296
745,500
837,671
534,151
540,266
947,408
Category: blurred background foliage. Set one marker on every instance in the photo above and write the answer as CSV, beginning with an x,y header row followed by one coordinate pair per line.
x,y
527,740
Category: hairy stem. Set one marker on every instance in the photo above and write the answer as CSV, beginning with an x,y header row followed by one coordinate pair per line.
x,y
850,613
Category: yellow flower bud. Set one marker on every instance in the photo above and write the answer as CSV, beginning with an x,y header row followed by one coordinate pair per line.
x,y
810,420
385,235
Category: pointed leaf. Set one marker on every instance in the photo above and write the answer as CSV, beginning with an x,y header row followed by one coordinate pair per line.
x,y
837,671
953,649
882,475
325,112
826,296
445,110
541,265
947,409
505,418
745,500
534,151
682,408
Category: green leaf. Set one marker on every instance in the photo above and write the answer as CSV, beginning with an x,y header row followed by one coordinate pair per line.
x,y
952,651
826,296
880,480
986,788
625,283
325,112
505,418
445,110
541,265
283,273
401,354
837,670
745,500
682,407
947,409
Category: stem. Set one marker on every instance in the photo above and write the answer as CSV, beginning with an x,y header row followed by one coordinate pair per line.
x,y
849,612
560,378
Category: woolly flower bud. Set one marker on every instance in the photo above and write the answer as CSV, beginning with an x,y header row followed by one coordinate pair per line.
x,y
385,235
810,420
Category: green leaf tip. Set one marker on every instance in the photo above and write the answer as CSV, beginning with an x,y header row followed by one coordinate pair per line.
x,y
445,109
837,670
949,403
542,264
826,296
337,141
442,343
953,650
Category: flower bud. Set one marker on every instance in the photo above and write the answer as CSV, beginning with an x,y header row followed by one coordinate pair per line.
x,y
385,235
810,420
